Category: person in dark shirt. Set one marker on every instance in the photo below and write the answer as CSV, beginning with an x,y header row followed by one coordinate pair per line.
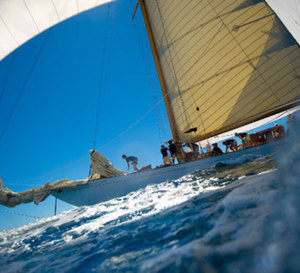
x,y
164,152
133,160
216,150
230,144
173,151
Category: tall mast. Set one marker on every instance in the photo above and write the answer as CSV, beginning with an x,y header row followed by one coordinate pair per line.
x,y
159,71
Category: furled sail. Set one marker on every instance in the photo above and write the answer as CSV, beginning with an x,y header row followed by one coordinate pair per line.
x,y
101,167
225,63
21,20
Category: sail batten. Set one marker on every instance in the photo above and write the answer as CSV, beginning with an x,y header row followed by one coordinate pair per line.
x,y
225,63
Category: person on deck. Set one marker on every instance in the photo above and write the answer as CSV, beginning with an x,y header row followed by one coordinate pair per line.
x,y
208,149
243,137
216,150
230,144
279,131
164,152
173,151
133,160
195,150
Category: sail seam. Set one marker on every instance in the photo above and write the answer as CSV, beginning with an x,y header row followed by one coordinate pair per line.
x,y
31,15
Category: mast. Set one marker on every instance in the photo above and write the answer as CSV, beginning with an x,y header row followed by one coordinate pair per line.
x,y
159,71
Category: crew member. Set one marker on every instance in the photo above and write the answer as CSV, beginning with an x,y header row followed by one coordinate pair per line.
x,y
230,144
133,160
164,152
216,150
173,151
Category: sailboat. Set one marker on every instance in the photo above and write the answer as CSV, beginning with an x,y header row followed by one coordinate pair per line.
x,y
221,65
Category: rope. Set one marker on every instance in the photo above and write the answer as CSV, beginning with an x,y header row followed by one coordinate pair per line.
x,y
133,125
146,59
172,65
101,77
20,214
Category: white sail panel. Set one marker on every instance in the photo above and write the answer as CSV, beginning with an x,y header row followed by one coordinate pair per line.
x,y
225,63
289,13
21,20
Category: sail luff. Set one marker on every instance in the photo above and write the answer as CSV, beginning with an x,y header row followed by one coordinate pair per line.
x,y
159,71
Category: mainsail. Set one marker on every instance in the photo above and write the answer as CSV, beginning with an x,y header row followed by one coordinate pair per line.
x,y
21,20
225,63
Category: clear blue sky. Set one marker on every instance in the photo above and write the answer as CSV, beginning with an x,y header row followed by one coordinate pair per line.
x,y
51,127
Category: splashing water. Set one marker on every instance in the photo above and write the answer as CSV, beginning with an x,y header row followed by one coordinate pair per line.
x,y
229,218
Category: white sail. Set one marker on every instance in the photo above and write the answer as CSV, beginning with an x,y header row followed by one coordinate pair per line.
x,y
225,63
289,13
21,20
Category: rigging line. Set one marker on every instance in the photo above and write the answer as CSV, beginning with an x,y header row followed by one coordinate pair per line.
x,y
145,55
172,64
24,85
101,76
237,27
2,91
133,125
77,5
8,29
19,214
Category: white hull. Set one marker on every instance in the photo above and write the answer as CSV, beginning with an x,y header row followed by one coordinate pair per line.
x,y
101,190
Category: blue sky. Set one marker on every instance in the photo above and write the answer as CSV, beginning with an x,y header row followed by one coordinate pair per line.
x,y
51,128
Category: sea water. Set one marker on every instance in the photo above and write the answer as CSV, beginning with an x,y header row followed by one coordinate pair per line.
x,y
228,218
